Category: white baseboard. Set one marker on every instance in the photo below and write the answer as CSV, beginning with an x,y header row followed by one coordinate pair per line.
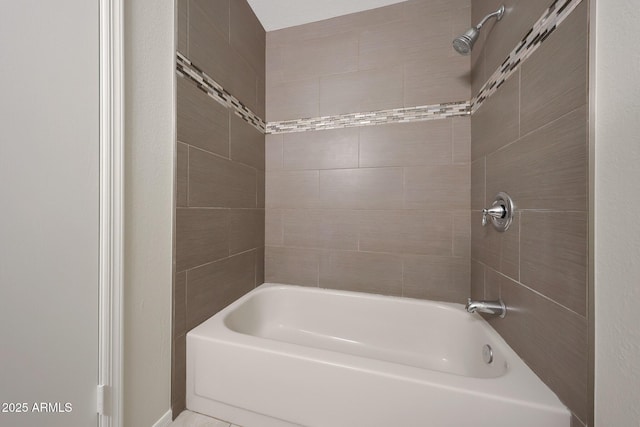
x,y
165,420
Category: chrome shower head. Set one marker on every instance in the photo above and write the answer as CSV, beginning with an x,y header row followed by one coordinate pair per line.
x,y
465,42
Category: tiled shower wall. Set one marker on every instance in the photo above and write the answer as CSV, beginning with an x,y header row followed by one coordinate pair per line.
x,y
383,208
219,235
530,140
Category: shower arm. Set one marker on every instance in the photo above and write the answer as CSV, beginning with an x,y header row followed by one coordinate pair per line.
x,y
497,14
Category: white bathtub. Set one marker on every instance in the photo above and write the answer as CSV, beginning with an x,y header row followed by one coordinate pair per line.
x,y
287,355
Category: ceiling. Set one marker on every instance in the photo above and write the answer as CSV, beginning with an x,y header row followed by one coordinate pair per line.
x,y
277,14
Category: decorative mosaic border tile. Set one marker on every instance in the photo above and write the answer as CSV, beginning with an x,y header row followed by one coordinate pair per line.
x,y
548,22
396,115
186,68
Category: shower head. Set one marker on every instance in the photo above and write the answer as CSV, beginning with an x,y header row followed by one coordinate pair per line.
x,y
464,43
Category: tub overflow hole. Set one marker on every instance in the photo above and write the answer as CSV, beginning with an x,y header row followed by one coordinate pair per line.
x,y
487,354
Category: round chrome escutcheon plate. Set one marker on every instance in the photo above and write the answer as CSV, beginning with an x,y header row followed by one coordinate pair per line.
x,y
487,354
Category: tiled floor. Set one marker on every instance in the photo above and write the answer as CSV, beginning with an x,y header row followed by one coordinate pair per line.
x,y
192,419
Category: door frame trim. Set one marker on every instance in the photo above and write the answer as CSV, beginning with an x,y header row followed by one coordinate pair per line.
x,y
111,264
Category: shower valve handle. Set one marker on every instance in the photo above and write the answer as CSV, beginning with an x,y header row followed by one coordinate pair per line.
x,y
498,211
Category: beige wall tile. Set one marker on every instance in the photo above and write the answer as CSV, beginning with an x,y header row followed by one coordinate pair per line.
x,y
243,81
462,233
503,36
361,188
477,280
183,24
274,232
496,124
406,144
261,97
212,287
260,183
293,100
179,304
201,236
178,374
461,139
292,189
259,266
498,250
295,266
408,232
361,271
208,39
329,229
361,91
546,169
327,149
554,256
273,152
554,345
201,121
437,78
564,56
479,199
247,36
436,278
246,229
218,182
247,144
322,56
437,187
182,171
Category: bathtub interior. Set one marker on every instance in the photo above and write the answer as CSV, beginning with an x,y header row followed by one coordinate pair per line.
x,y
422,334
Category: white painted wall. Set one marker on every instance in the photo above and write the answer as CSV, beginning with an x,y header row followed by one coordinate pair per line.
x,y
49,145
617,204
149,159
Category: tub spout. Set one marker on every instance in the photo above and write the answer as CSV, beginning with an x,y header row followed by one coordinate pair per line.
x,y
494,308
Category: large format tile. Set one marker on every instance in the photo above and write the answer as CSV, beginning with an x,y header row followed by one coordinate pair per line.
x,y
329,229
213,286
436,278
462,233
553,258
293,100
479,199
243,81
274,231
246,144
503,36
246,229
563,55
322,56
437,187
179,304
295,266
555,344
259,266
201,236
178,374
547,169
406,144
208,40
361,188
247,36
361,91
201,121
477,280
273,152
326,149
437,78
292,189
406,231
461,139
361,271
218,182
496,123
498,250
182,171
182,22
